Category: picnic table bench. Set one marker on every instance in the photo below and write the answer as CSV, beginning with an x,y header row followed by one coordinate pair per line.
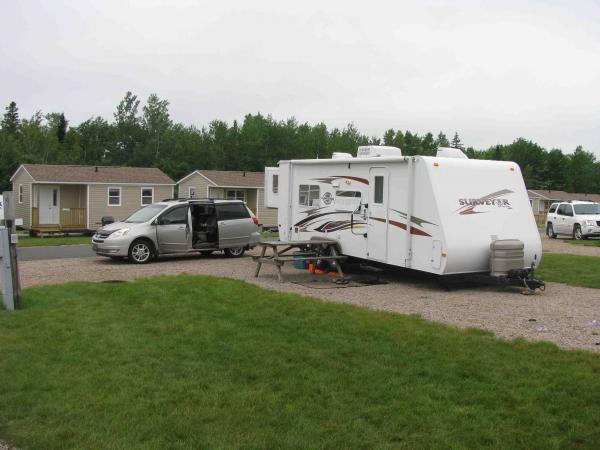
x,y
311,250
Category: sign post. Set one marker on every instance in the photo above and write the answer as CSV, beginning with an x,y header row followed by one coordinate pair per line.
x,y
8,253
6,270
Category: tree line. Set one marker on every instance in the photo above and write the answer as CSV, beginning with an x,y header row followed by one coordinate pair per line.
x,y
146,136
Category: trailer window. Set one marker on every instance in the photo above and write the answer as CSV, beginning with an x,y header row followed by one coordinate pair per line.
x,y
378,198
275,184
309,195
348,194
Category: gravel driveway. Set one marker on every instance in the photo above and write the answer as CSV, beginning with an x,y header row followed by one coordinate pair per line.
x,y
566,312
563,246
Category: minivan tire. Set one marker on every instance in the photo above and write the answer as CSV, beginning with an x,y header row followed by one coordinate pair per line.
x,y
550,231
234,252
577,234
141,251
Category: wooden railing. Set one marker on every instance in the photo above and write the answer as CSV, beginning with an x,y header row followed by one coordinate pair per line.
x,y
70,218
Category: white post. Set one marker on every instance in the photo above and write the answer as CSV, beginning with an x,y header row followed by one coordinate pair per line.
x,y
6,270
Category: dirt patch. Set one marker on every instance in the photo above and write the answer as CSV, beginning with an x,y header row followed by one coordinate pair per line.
x,y
563,314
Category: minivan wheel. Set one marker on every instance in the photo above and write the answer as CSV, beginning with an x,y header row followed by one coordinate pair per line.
x,y
550,231
140,251
577,234
234,252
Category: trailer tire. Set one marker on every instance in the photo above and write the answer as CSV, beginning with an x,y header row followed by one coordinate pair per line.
x,y
550,231
577,234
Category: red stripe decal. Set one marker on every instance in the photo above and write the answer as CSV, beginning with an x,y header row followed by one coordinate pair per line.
x,y
413,230
360,180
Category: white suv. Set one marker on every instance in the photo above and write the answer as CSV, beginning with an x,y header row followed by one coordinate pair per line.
x,y
577,219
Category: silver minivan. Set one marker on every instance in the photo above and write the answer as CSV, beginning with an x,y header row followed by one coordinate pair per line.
x,y
180,226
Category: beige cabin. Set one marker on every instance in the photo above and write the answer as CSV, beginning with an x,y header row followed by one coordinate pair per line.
x,y
65,198
225,184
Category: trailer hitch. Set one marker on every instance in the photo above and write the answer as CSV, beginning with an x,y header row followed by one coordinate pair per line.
x,y
524,277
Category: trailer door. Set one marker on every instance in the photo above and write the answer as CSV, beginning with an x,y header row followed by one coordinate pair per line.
x,y
377,235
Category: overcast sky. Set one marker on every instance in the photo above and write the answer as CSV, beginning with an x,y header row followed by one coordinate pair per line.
x,y
493,71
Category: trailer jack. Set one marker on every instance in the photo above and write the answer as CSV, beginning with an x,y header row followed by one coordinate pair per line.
x,y
521,278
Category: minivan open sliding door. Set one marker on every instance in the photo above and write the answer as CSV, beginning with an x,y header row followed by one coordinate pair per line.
x,y
377,233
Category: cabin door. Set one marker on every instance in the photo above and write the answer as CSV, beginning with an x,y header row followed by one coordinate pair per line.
x,y
377,234
48,205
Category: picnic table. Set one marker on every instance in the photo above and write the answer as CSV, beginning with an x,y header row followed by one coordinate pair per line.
x,y
311,250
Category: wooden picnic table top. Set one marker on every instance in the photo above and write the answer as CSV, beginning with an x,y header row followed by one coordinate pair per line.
x,y
275,242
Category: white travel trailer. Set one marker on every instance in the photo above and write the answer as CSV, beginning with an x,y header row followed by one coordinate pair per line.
x,y
434,214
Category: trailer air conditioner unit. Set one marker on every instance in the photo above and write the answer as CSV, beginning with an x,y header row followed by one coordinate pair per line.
x,y
374,151
449,152
341,155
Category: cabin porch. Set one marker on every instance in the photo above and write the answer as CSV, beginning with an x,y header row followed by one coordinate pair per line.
x,y
59,208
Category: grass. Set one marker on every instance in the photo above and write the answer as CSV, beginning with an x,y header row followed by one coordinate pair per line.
x,y
269,234
201,362
26,241
575,270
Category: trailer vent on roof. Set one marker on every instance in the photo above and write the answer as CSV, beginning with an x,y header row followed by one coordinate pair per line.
x,y
341,155
449,152
374,151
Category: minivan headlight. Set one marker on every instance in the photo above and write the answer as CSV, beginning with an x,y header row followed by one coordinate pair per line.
x,y
591,222
119,233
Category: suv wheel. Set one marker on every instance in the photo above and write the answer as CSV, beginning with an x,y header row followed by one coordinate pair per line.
x,y
141,251
550,231
577,234
234,252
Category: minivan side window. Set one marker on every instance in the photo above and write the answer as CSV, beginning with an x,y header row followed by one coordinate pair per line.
x,y
561,210
175,216
553,208
231,211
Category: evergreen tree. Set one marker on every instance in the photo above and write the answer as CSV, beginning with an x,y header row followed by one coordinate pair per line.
x,y
10,121
61,129
456,143
441,140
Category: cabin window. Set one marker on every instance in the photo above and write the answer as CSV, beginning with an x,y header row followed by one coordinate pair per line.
x,y
236,195
309,195
378,198
20,193
275,184
147,196
192,192
542,206
114,196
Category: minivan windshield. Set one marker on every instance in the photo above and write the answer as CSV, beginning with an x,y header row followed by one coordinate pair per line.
x,y
145,214
588,208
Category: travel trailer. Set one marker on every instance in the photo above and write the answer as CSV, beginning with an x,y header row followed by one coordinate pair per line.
x,y
446,215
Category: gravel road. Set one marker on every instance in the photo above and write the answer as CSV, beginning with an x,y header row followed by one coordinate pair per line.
x,y
563,246
566,312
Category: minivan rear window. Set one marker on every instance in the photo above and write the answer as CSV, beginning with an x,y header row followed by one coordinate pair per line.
x,y
588,208
230,211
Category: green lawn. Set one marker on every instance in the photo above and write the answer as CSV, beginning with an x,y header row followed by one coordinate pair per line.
x,y
201,362
26,241
575,270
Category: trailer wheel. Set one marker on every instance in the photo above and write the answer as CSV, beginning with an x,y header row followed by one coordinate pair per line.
x,y
550,231
577,234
